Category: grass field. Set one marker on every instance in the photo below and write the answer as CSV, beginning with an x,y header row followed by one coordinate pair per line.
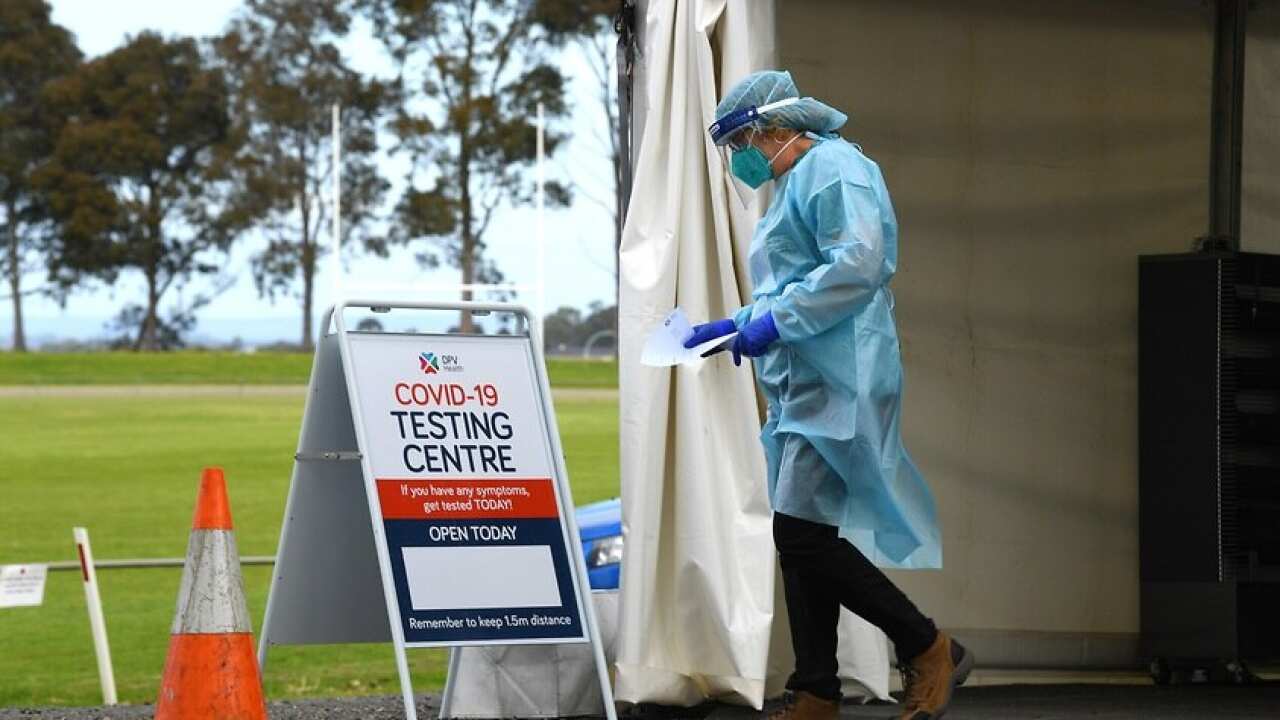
x,y
127,469
223,368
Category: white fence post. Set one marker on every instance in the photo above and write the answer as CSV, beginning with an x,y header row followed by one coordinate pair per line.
x,y
96,622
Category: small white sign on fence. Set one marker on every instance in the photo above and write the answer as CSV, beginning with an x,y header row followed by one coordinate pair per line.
x,y
22,585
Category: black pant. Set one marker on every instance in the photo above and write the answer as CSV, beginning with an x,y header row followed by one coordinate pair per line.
x,y
822,571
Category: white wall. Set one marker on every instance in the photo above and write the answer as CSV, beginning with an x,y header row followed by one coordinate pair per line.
x,y
1033,151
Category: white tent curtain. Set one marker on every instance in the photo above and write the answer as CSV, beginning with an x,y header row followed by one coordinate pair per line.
x,y
533,681
700,587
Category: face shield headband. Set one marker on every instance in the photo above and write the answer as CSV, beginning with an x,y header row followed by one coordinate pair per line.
x,y
724,128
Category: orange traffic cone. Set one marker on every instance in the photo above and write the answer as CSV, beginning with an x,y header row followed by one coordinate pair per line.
x,y
211,670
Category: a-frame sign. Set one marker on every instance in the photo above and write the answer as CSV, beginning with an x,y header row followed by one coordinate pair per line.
x,y
429,503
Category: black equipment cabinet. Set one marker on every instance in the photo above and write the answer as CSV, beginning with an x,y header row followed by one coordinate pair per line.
x,y
1209,461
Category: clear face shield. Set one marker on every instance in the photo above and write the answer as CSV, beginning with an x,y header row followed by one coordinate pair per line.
x,y
746,167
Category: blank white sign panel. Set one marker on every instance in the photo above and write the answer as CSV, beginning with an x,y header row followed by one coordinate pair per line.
x,y
446,578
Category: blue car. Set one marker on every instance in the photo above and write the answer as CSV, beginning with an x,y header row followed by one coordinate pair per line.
x,y
600,529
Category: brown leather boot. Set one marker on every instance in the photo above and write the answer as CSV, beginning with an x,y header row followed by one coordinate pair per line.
x,y
931,676
807,706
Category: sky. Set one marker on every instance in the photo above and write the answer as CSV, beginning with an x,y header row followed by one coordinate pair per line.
x,y
578,240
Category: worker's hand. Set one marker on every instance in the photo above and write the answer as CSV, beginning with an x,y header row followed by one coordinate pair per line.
x,y
707,332
754,338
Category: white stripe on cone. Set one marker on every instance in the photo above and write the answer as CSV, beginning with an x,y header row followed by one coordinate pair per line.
x,y
212,596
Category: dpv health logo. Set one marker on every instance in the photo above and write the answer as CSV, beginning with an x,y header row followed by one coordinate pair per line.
x,y
430,363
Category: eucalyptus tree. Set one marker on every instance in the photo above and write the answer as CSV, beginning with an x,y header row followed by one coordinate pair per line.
x,y
139,175
286,70
33,51
471,75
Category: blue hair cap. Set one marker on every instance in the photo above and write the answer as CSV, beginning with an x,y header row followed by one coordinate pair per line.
x,y
739,108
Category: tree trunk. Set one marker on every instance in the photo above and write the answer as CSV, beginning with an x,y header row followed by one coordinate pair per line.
x,y
466,323
598,50
308,290
147,334
15,282
467,260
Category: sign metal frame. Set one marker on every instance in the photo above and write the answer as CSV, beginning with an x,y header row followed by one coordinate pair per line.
x,y
316,593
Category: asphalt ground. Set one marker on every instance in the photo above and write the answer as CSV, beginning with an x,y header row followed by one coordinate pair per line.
x,y
1096,702
1030,702
358,708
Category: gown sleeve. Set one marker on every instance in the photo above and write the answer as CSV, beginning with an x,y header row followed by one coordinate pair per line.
x,y
844,218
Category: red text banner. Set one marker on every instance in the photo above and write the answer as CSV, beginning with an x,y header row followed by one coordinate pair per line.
x,y
467,499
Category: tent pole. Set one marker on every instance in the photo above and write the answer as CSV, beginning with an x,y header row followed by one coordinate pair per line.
x,y
1227,124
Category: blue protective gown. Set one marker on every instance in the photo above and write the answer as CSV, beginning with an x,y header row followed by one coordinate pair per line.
x,y
821,260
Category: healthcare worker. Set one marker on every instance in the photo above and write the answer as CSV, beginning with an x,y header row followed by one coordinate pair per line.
x,y
845,495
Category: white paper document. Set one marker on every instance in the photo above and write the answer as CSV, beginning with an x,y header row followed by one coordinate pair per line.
x,y
665,345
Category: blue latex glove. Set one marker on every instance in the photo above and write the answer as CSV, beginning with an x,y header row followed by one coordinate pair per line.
x,y
754,338
710,331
